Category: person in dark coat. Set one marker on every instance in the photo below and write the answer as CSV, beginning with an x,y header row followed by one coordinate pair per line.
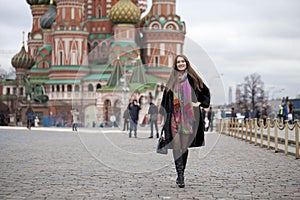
x,y
126,118
30,116
134,110
210,116
153,112
183,97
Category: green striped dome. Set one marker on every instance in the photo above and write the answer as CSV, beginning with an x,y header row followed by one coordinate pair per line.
x,y
48,18
38,2
125,12
22,59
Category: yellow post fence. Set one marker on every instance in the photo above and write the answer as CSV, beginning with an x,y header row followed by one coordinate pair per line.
x,y
276,135
286,138
261,126
297,138
269,134
241,130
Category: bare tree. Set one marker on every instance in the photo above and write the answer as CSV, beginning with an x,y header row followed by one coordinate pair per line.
x,y
254,90
250,94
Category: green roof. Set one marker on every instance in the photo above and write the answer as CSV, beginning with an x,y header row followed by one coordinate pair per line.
x,y
98,19
69,67
124,44
116,75
153,79
72,81
7,96
138,74
94,67
139,87
162,69
8,81
110,88
99,36
93,77
39,79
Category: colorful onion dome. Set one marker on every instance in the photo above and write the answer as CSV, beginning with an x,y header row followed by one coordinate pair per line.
x,y
38,2
125,12
22,59
49,17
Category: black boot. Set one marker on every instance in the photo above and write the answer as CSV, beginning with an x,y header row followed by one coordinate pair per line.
x,y
184,157
179,168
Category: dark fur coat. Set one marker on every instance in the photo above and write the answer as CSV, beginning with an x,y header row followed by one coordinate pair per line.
x,y
166,110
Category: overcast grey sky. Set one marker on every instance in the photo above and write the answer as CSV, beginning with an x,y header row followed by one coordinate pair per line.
x,y
240,36
249,36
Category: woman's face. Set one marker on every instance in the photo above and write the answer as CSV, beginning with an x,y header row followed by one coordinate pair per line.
x,y
180,63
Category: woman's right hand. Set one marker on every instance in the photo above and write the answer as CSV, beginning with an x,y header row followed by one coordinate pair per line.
x,y
196,104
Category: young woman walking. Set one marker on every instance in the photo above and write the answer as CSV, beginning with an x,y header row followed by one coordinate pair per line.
x,y
183,97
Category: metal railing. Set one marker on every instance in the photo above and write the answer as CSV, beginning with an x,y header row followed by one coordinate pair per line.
x,y
270,134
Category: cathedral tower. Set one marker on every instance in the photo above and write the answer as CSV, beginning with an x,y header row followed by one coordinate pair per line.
x,y
125,15
35,37
163,34
69,48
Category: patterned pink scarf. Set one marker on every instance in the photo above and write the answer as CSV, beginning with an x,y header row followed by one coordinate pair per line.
x,y
183,109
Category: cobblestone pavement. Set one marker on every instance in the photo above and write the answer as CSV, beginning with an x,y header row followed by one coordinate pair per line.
x,y
106,164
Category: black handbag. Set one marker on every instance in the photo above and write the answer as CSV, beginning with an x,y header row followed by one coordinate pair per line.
x,y
162,145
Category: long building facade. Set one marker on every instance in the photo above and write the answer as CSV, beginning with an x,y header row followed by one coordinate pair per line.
x,y
93,56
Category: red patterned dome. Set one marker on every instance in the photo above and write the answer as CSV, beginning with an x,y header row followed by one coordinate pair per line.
x,y
22,59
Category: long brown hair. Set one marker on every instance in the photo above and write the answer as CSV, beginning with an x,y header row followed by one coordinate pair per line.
x,y
198,83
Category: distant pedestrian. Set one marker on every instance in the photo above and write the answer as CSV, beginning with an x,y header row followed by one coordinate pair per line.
x,y
75,119
30,115
218,120
156,92
223,114
36,121
247,115
290,107
134,110
233,114
153,112
150,97
113,121
284,110
126,117
280,113
264,115
210,116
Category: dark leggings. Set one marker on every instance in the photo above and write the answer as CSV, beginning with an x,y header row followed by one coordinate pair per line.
x,y
181,141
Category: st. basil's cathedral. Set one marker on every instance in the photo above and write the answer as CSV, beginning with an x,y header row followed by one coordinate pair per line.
x,y
93,56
